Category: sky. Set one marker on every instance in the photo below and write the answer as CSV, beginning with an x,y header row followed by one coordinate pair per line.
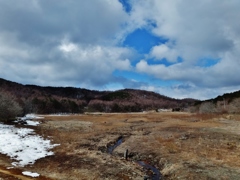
x,y
177,48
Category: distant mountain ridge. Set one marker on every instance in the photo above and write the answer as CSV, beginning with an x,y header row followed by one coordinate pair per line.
x,y
38,99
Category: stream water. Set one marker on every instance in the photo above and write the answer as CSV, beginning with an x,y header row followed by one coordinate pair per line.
x,y
155,175
119,141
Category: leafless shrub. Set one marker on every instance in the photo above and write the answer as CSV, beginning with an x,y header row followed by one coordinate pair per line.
x,y
207,107
234,106
9,108
191,109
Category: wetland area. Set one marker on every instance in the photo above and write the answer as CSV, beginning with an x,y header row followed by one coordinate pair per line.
x,y
164,145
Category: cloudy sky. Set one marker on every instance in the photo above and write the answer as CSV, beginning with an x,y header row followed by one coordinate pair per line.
x,y
178,48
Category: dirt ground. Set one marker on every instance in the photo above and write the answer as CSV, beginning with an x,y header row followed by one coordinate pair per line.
x,y
179,145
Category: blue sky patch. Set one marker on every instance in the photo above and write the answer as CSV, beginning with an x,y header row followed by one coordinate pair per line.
x,y
126,5
142,40
150,80
164,61
207,62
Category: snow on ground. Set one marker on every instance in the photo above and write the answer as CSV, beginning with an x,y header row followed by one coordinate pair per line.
x,y
28,120
23,145
61,114
32,123
32,116
27,173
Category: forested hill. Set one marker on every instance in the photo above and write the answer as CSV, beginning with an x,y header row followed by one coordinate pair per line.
x,y
37,99
226,103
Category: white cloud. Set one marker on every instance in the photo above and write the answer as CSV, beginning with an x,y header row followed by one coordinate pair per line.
x,y
223,74
182,91
82,21
64,43
68,47
78,43
163,51
196,30
69,65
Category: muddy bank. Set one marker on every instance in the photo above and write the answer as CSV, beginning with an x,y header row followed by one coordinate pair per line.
x,y
152,173
13,174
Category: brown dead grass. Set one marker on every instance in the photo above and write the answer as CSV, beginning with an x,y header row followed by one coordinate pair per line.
x,y
181,145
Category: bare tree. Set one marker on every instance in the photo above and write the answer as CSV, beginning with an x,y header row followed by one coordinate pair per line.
x,y
9,108
207,107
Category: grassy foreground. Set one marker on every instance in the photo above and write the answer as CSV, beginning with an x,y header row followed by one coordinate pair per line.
x,y
180,145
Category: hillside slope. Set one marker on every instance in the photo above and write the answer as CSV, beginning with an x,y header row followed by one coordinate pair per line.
x,y
226,103
45,100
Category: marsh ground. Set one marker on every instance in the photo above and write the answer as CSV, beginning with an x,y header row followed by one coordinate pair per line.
x,y
180,145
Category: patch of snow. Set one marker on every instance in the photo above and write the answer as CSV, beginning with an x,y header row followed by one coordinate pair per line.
x,y
31,174
31,116
28,120
32,123
23,145
61,114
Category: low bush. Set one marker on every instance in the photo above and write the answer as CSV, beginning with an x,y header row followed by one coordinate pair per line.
x,y
9,108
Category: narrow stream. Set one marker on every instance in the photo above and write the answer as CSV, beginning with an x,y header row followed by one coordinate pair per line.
x,y
111,148
155,175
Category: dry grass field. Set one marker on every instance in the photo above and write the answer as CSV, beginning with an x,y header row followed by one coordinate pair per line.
x,y
180,145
